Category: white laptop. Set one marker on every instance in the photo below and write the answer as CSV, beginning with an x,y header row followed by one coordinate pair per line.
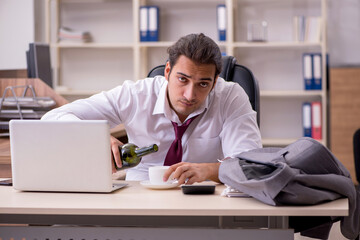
x,y
65,156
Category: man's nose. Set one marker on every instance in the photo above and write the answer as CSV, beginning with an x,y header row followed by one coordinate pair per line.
x,y
189,92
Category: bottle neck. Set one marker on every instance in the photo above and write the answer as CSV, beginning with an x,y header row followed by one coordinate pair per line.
x,y
146,150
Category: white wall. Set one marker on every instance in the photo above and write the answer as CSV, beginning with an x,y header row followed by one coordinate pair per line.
x,y
16,32
343,31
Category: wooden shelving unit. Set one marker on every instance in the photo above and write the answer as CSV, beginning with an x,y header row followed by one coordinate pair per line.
x,y
82,69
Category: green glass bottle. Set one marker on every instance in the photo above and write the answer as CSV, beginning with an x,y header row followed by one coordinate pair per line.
x,y
131,155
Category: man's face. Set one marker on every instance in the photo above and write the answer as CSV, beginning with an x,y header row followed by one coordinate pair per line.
x,y
188,85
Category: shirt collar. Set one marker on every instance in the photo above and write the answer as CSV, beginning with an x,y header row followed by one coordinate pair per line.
x,y
161,100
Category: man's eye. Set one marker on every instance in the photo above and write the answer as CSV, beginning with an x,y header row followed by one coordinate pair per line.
x,y
182,79
204,84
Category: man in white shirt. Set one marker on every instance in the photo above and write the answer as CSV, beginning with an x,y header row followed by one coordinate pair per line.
x,y
225,124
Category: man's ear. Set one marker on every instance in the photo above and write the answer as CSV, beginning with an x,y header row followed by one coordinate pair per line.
x,y
167,70
215,81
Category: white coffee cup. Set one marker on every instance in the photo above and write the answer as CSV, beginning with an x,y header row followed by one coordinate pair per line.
x,y
156,175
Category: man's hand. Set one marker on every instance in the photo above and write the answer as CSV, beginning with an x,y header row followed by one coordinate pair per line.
x,y
190,173
115,143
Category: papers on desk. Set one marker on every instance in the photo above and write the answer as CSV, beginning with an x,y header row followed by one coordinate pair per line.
x,y
25,106
28,102
26,114
231,192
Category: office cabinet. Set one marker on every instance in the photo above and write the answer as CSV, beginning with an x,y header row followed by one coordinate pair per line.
x,y
116,52
344,114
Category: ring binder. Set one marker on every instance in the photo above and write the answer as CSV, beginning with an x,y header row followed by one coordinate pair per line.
x,y
221,21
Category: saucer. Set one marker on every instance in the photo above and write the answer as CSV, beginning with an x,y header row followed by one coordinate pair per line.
x,y
148,184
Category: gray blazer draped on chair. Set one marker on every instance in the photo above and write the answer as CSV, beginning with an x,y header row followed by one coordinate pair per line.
x,y
303,173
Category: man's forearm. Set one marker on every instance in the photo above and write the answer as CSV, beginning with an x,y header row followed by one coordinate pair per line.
x,y
213,169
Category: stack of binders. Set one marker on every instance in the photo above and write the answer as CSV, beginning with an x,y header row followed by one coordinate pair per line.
x,y
149,23
312,71
311,112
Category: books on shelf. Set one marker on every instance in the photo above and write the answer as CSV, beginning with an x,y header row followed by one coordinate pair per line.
x,y
149,23
307,29
312,71
298,28
312,121
221,21
71,35
312,29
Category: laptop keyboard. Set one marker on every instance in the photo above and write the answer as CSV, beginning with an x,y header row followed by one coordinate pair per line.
x,y
118,185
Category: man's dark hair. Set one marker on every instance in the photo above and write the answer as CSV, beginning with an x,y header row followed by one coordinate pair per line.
x,y
197,47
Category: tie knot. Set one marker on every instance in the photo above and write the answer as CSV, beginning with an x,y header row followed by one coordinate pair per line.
x,y
179,130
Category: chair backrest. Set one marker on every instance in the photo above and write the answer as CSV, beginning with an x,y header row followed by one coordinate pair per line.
x,y
235,73
356,145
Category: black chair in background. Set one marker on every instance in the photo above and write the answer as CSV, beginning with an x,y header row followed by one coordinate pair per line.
x,y
235,73
356,145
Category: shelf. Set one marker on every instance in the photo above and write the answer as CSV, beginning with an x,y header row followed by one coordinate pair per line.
x,y
279,142
118,45
70,92
156,44
292,93
276,44
92,45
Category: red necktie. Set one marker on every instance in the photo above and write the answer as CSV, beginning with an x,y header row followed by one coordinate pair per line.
x,y
174,154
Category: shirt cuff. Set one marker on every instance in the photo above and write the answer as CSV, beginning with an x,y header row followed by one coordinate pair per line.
x,y
229,170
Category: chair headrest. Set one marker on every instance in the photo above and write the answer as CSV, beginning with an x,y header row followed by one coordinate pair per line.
x,y
228,67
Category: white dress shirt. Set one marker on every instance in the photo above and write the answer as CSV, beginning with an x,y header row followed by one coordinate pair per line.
x,y
225,127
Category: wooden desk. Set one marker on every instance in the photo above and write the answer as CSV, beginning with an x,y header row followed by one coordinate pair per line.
x,y
5,151
5,159
138,206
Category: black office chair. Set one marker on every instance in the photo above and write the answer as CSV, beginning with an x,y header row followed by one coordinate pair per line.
x,y
356,145
235,73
